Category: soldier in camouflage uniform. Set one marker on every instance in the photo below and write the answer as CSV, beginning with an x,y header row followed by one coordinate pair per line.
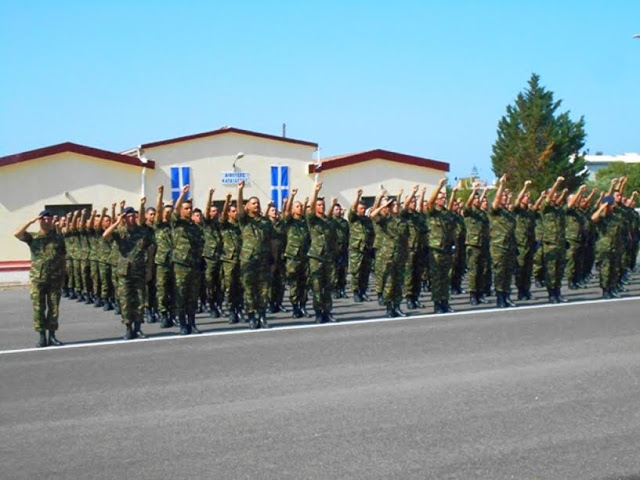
x,y
254,258
103,247
150,298
609,231
211,253
575,234
361,236
277,267
525,239
341,255
165,284
295,254
323,244
554,241
231,246
94,269
416,222
503,245
459,252
84,252
45,276
441,238
131,242
70,246
475,220
188,244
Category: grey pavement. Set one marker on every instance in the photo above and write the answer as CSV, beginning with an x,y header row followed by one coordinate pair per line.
x,y
549,392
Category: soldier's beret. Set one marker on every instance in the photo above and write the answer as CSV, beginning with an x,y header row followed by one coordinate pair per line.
x,y
129,210
45,213
608,199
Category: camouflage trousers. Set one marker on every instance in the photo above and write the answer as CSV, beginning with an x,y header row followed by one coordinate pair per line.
x,y
278,279
504,263
575,257
297,279
459,265
45,297
187,288
231,285
440,263
212,281
412,273
165,289
69,263
607,265
320,280
360,263
130,290
524,267
339,273
106,281
477,269
254,276
150,293
94,272
554,264
392,278
539,270
79,276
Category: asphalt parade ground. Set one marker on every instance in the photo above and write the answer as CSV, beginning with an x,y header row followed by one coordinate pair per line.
x,y
539,391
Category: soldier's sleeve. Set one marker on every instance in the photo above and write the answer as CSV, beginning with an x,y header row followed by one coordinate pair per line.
x,y
26,238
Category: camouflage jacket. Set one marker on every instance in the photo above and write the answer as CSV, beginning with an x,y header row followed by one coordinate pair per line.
x,y
298,238
131,244
361,232
231,241
47,256
188,242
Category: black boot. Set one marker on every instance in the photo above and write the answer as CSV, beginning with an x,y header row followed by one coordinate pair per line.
x,y
521,294
192,324
166,321
327,317
507,300
116,309
559,296
53,340
108,305
233,315
437,307
88,299
357,298
411,305
43,340
501,303
262,318
364,296
65,292
214,311
446,308
282,308
184,329
343,292
303,309
552,296
473,298
73,295
606,293
399,311
380,300
138,331
297,313
253,323
319,317
482,298
418,303
539,283
129,333
391,312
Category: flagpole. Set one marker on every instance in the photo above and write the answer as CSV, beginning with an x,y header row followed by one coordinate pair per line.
x,y
318,165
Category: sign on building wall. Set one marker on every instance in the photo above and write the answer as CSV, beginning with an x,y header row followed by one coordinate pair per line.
x,y
279,185
232,178
179,178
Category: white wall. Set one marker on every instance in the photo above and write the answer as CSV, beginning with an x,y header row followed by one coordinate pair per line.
x,y
25,188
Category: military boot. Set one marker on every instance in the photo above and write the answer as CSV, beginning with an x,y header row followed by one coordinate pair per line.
x,y
446,308
43,340
129,334
53,340
253,323
507,300
99,302
297,313
552,296
559,296
391,312
233,316
418,303
606,293
165,321
500,300
327,317
192,324
65,292
473,298
138,331
184,328
365,297
73,295
411,304
399,312
319,317
380,300
262,318
116,309
88,299
437,307
108,305
303,309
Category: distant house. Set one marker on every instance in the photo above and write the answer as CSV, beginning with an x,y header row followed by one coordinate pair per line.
x,y
598,162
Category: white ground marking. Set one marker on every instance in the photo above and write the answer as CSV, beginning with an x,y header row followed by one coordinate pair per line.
x,y
279,328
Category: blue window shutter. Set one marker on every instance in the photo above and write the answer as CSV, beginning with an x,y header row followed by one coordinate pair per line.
x,y
186,180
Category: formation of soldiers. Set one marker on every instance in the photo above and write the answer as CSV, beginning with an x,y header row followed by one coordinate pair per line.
x,y
168,263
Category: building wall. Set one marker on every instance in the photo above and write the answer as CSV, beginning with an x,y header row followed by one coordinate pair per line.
x,y
371,175
210,156
25,188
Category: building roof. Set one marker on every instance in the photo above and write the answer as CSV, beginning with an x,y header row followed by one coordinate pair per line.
x,y
225,130
353,158
625,157
73,148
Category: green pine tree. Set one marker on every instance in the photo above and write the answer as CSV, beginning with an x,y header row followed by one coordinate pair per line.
x,y
538,144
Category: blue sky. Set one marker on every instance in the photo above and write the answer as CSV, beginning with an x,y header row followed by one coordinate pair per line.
x,y
429,78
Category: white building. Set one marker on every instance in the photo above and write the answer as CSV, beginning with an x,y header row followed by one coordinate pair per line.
x,y
598,162
69,176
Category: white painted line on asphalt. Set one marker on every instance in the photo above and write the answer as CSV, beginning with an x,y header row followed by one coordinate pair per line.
x,y
314,325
